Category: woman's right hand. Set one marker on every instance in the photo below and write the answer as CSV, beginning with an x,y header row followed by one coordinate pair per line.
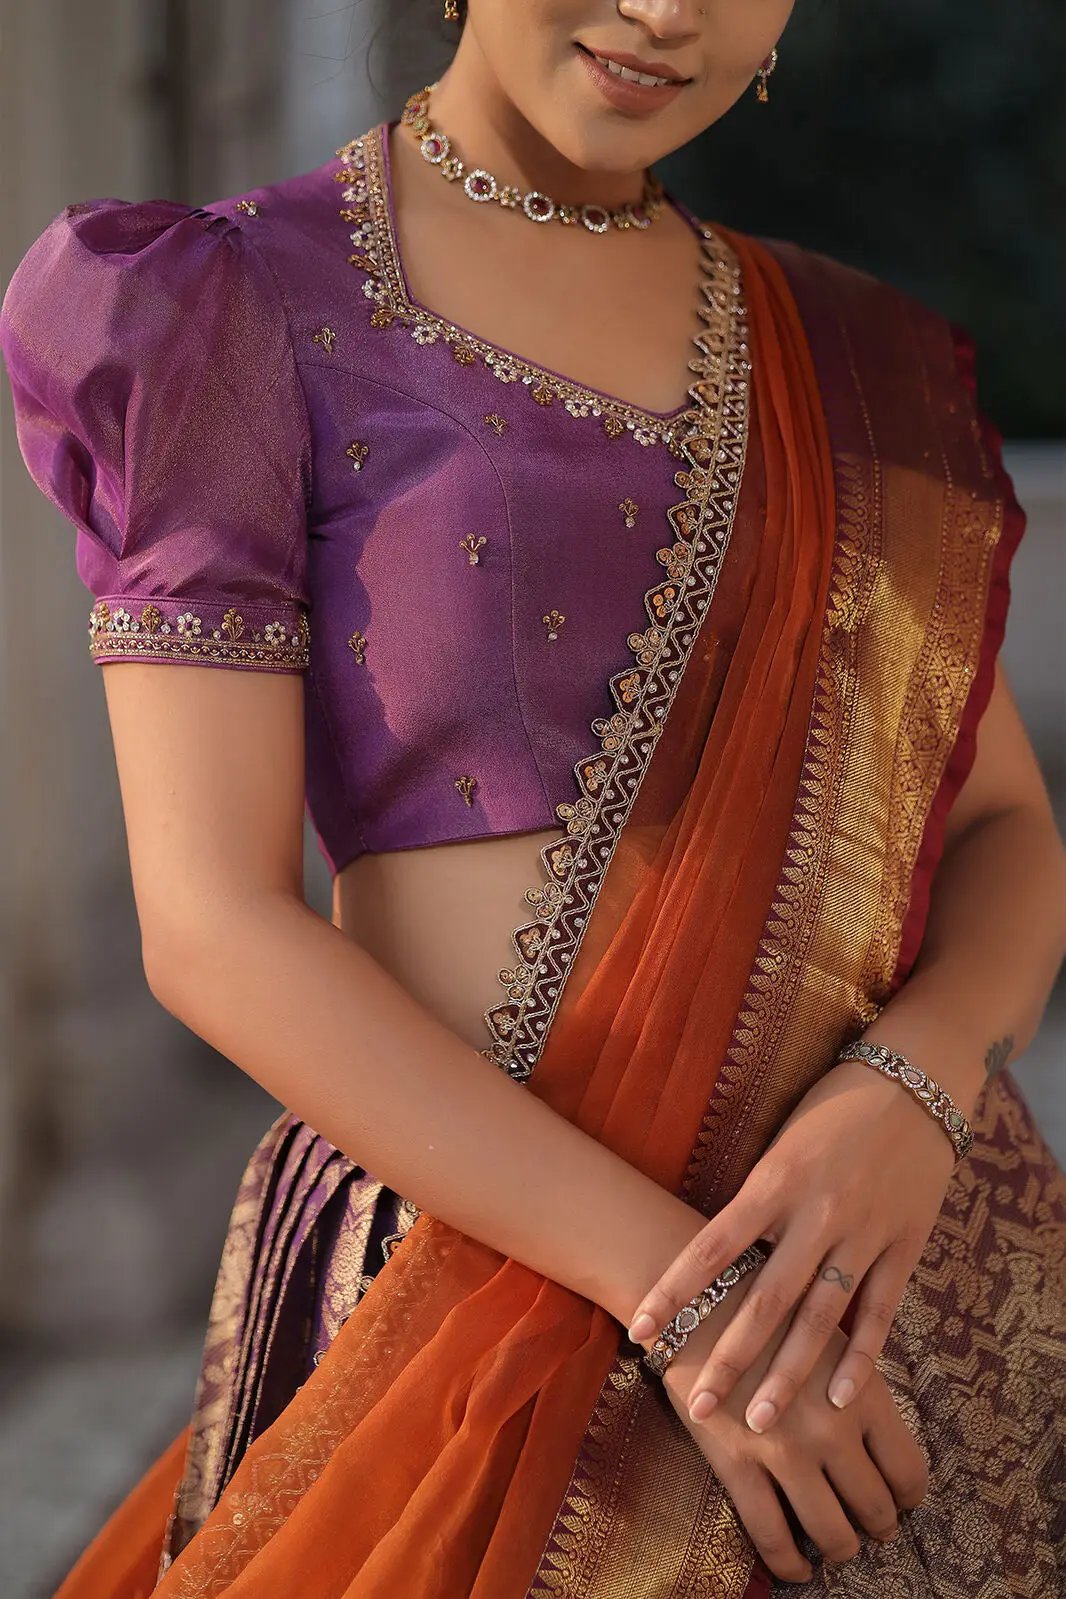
x,y
827,1462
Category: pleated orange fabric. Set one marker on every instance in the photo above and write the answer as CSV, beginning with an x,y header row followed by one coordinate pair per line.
x,y
429,1452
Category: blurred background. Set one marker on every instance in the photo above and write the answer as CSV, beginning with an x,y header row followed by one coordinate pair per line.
x,y
922,140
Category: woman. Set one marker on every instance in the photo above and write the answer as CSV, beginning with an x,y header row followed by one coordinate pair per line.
x,y
318,439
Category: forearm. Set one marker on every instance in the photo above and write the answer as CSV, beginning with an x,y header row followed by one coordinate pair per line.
x,y
992,948
322,1026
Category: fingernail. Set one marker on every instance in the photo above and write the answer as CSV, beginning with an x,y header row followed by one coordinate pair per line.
x,y
842,1392
643,1327
761,1415
702,1405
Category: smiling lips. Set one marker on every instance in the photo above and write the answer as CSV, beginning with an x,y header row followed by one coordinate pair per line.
x,y
630,70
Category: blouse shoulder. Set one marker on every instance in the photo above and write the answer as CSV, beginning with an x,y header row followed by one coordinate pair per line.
x,y
158,406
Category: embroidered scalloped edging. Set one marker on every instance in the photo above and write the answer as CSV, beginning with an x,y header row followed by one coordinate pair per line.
x,y
366,206
609,779
165,632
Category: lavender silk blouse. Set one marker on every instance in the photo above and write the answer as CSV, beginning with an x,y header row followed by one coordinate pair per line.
x,y
276,459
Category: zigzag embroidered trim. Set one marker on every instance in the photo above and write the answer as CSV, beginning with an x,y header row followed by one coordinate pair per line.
x,y
608,780
365,193
174,633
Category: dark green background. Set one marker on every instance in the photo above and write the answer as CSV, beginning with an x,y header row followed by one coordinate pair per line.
x,y
926,142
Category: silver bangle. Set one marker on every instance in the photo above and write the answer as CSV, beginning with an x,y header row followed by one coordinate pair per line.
x,y
674,1335
936,1100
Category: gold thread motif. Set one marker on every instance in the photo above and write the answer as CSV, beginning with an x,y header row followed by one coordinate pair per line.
x,y
325,337
472,543
629,509
357,451
357,645
466,786
553,622
365,194
195,1492
496,422
164,633
250,207
975,1363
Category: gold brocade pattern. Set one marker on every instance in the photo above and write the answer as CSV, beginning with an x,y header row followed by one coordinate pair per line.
x,y
710,1557
901,640
277,1237
975,1362
203,1464
322,1413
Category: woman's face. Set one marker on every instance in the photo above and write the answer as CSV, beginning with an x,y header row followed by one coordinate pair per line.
x,y
538,52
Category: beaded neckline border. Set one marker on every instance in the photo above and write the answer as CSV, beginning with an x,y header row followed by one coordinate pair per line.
x,y
609,779
361,171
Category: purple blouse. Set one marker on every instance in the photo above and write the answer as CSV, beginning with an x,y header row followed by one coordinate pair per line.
x,y
276,459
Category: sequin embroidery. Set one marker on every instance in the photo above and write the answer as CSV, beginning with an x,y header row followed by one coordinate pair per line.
x,y
163,632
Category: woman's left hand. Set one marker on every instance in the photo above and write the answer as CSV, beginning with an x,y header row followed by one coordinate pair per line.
x,y
848,1194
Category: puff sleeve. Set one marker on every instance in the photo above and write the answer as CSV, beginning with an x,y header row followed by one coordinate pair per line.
x,y
158,405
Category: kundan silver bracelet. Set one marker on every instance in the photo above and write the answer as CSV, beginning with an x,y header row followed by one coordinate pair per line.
x,y
936,1100
674,1335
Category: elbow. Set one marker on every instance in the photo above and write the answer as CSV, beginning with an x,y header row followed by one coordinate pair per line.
x,y
176,954
186,957
163,963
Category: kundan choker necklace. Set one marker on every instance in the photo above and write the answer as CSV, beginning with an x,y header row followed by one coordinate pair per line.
x,y
481,185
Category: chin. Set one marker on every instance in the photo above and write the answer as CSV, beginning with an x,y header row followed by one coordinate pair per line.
x,y
599,143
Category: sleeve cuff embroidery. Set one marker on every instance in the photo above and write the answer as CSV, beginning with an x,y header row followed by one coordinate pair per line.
x,y
184,630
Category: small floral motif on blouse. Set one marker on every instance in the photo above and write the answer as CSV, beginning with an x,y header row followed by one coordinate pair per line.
x,y
115,631
472,543
553,622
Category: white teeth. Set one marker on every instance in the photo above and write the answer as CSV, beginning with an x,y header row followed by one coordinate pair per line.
x,y
629,74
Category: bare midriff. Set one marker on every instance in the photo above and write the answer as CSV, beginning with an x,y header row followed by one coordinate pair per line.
x,y
440,919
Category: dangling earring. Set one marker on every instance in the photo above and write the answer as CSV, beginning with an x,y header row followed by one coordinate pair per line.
x,y
763,73
451,11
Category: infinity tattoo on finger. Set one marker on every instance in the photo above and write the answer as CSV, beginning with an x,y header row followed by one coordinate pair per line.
x,y
833,1274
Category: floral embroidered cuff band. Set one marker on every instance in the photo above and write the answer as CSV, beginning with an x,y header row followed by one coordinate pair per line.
x,y
268,637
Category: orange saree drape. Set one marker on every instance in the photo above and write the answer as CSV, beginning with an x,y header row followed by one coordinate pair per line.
x,y
737,860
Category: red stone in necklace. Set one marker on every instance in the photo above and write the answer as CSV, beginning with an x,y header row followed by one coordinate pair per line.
x,y
482,186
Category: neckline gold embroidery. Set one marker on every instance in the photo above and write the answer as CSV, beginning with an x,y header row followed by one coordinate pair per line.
x,y
609,779
363,171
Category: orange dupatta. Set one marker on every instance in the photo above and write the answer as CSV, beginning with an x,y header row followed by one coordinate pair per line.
x,y
430,1451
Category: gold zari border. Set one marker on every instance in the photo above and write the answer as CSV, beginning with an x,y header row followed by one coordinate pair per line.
x,y
901,639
